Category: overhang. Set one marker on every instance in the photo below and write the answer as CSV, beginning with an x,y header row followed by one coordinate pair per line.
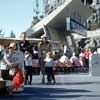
x,y
57,19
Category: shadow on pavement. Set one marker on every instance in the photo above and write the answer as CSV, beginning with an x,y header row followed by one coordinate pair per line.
x,y
38,93
68,83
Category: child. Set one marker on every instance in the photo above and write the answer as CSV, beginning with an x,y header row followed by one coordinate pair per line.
x,y
18,79
28,68
49,63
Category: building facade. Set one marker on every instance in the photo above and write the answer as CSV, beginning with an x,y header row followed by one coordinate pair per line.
x,y
55,20
51,5
95,17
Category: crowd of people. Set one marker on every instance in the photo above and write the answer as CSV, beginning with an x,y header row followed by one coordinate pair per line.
x,y
12,68
42,58
74,62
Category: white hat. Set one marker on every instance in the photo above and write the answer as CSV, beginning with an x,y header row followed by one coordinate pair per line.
x,y
12,45
43,36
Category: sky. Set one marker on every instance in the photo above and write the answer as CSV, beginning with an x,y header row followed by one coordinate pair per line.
x,y
17,15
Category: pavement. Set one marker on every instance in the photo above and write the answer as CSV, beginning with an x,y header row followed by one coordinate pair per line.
x,y
67,87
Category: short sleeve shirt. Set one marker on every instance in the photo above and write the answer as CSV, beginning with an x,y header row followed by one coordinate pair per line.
x,y
24,46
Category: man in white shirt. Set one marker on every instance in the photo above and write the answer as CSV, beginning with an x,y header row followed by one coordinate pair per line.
x,y
63,58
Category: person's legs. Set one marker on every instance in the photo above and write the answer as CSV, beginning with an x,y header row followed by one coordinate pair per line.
x,y
10,89
42,71
49,78
52,75
26,79
30,71
30,79
48,75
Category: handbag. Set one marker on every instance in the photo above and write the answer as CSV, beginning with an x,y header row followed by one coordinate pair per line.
x,y
5,75
12,71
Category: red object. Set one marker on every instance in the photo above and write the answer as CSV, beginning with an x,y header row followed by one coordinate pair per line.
x,y
18,79
86,54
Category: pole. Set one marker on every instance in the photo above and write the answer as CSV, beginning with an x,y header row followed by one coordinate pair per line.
x,y
85,2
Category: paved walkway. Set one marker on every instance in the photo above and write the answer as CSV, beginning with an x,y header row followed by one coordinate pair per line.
x,y
69,87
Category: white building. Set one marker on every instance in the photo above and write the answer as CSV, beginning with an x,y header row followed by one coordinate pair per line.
x,y
51,5
55,22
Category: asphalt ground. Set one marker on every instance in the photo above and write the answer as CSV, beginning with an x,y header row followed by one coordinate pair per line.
x,y
67,87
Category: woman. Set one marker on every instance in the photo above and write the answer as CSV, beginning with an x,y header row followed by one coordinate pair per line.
x,y
10,60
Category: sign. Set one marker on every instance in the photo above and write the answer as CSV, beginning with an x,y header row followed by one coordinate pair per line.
x,y
94,64
75,26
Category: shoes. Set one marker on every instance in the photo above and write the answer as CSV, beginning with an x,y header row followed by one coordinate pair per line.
x,y
54,82
30,83
43,81
11,95
25,83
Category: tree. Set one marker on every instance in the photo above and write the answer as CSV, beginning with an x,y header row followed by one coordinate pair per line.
x,y
37,14
35,20
2,33
94,25
12,34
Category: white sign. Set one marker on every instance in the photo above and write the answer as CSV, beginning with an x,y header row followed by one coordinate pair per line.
x,y
94,64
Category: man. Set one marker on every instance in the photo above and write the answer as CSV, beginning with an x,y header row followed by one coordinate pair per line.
x,y
24,44
43,47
